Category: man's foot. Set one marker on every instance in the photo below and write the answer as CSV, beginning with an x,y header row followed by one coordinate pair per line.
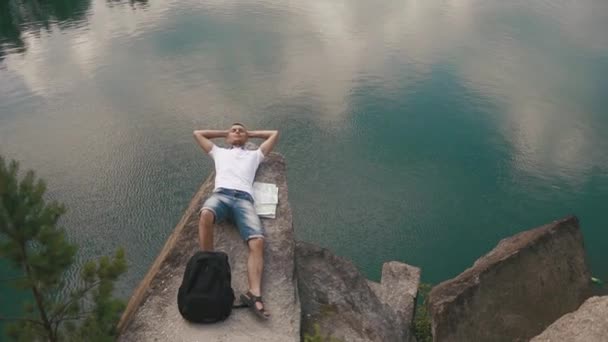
x,y
255,303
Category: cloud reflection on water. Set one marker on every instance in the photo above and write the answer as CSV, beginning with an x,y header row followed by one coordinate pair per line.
x,y
505,51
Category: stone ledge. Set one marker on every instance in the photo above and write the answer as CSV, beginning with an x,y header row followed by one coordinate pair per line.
x,y
587,324
155,299
344,305
515,291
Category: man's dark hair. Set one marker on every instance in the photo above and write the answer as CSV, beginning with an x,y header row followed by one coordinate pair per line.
x,y
240,124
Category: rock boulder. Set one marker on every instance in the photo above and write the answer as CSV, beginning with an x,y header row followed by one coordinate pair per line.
x,y
514,292
587,324
344,305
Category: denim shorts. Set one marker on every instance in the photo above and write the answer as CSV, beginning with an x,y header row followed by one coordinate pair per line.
x,y
237,206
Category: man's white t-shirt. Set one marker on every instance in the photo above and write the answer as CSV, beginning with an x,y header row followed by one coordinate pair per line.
x,y
235,167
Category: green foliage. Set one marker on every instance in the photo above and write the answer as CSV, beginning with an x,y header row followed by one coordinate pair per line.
x,y
317,337
32,242
422,321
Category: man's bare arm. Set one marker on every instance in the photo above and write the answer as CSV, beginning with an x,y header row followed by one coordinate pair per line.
x,y
202,138
271,139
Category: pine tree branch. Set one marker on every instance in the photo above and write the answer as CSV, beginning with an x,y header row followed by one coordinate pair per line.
x,y
9,224
39,301
60,320
5,318
71,318
57,315
55,329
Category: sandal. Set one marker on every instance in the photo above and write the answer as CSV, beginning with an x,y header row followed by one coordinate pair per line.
x,y
251,300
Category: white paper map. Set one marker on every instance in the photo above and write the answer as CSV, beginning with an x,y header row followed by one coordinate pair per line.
x,y
266,197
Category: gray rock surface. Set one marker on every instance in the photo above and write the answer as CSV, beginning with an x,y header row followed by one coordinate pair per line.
x,y
344,305
398,289
152,313
514,292
587,324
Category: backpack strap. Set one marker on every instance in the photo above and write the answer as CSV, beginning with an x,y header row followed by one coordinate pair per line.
x,y
241,305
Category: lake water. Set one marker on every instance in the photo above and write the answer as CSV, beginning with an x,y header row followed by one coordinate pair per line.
x,y
419,131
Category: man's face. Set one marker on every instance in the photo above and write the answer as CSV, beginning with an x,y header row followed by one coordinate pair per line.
x,y
237,135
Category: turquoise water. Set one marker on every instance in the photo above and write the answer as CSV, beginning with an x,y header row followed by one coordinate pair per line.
x,y
420,131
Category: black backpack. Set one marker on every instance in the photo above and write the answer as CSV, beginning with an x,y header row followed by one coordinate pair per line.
x,y
206,295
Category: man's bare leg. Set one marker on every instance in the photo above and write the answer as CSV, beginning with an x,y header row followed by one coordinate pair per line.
x,y
205,230
255,267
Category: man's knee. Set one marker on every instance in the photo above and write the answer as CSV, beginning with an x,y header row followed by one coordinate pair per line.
x,y
256,244
207,216
207,219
